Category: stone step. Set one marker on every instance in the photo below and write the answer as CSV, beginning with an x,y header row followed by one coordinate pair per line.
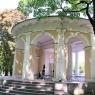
x,y
29,82
11,92
34,84
29,88
60,93
38,87
12,87
4,93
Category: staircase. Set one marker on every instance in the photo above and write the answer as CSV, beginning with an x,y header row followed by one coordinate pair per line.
x,y
38,87
14,87
44,87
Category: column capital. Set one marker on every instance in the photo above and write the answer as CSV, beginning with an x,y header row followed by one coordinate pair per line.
x,y
19,49
55,43
87,47
63,30
26,35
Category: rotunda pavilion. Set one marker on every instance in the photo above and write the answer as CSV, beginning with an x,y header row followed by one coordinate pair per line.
x,y
64,51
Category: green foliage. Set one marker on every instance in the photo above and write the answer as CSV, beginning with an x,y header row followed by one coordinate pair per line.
x,y
49,7
6,52
7,19
61,8
1,58
23,7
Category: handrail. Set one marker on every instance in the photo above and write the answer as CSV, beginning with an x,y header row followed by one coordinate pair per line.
x,y
77,78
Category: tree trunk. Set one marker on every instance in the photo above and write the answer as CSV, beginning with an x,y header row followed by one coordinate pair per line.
x,y
10,72
6,71
94,29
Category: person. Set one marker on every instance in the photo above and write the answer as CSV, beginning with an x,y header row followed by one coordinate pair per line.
x,y
39,75
43,71
53,73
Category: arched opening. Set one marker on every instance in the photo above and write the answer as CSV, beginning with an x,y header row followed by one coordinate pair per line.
x,y
76,59
43,55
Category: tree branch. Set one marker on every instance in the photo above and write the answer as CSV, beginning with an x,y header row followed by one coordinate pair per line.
x,y
74,11
87,12
69,1
81,2
92,20
93,1
87,9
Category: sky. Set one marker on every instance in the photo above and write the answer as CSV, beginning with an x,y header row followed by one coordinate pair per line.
x,y
8,4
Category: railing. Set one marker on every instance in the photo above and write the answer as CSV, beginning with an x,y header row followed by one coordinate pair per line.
x,y
45,77
48,77
77,78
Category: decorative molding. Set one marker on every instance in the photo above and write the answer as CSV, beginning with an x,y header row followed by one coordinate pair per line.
x,y
19,49
87,47
44,33
79,35
51,23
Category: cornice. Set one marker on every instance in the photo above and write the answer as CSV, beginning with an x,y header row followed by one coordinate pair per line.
x,y
51,23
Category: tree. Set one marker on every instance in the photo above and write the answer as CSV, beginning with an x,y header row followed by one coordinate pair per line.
x,y
6,51
1,59
62,8
8,19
